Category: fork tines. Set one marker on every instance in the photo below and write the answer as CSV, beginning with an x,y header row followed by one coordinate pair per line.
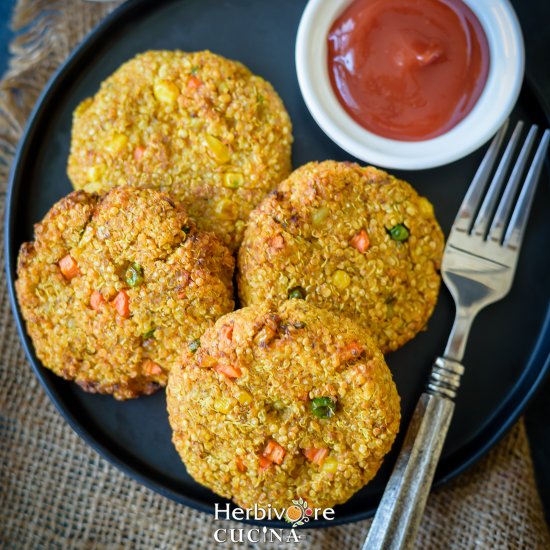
x,y
504,226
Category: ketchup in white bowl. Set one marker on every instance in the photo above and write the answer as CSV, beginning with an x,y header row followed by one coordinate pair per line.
x,y
409,84
408,69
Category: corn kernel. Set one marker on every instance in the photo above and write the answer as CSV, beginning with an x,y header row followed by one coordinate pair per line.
x,y
207,361
116,144
218,150
320,215
93,187
223,405
196,123
341,279
95,172
244,398
330,465
425,206
226,209
233,180
166,91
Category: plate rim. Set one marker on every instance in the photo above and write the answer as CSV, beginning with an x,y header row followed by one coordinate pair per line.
x,y
35,119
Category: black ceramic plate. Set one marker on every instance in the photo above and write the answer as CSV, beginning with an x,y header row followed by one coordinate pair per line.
x,y
508,351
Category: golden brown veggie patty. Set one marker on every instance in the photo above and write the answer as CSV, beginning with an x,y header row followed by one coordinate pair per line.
x,y
196,124
280,402
112,288
349,239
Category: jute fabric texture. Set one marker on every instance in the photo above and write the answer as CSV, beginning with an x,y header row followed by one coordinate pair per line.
x,y
55,492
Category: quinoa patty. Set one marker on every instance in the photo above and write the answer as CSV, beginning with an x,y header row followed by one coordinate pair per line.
x,y
349,239
112,288
195,124
281,402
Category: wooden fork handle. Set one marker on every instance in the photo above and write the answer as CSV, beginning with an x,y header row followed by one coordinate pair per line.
x,y
400,511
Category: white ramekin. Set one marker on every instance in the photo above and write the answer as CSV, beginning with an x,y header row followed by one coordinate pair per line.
x,y
507,62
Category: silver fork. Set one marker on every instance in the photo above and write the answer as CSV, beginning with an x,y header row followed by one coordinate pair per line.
x,y
478,268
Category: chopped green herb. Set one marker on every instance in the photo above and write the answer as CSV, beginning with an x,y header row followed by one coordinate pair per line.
x,y
194,70
186,229
134,275
323,407
149,334
298,293
399,232
194,345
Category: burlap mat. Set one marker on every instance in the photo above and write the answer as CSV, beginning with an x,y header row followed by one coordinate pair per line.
x,y
55,492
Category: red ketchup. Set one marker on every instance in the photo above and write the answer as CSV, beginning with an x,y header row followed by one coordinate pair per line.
x,y
408,69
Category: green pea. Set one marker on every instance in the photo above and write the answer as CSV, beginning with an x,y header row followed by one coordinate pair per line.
x,y
298,293
134,275
323,407
399,232
194,345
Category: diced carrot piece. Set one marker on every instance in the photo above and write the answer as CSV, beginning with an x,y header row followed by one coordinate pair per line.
x,y
228,370
310,453
354,348
227,332
150,368
303,396
69,267
240,464
138,152
122,304
317,456
278,455
193,83
351,351
156,369
96,299
360,241
274,452
265,463
277,242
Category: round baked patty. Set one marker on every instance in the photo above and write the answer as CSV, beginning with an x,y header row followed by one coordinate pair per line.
x,y
112,288
349,239
195,124
283,402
